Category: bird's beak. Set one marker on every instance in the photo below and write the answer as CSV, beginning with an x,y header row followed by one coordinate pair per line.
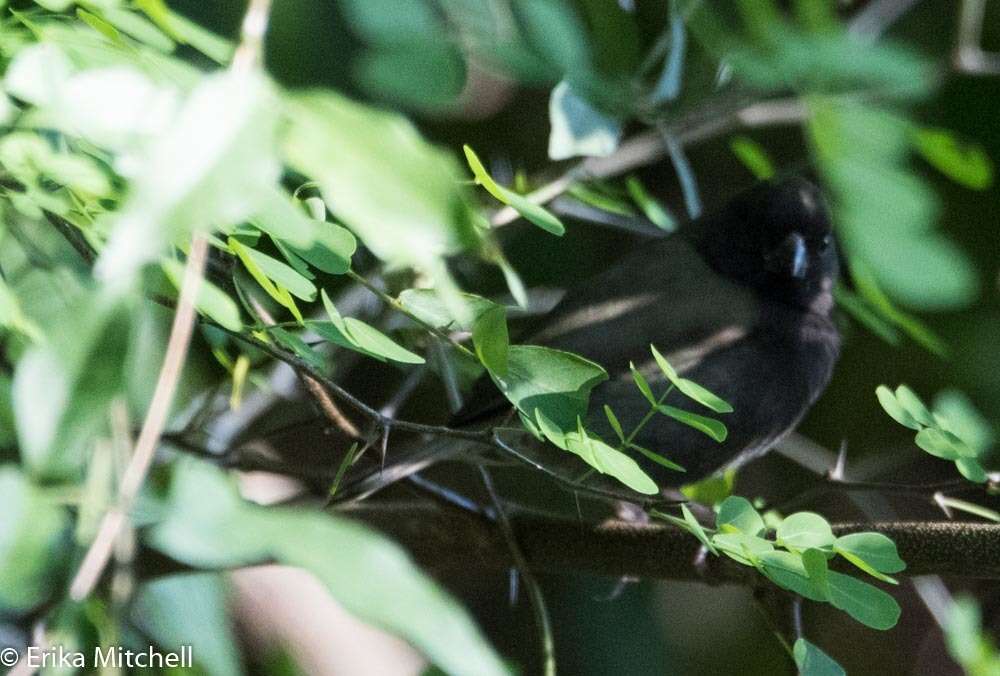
x,y
790,257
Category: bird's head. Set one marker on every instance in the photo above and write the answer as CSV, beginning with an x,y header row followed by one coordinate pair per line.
x,y
776,238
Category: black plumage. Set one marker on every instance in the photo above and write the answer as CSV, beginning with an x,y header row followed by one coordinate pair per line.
x,y
739,301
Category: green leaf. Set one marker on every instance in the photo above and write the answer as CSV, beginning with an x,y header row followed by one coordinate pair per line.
x,y
190,610
558,383
12,316
99,25
753,156
489,337
299,347
861,564
867,604
696,529
613,421
643,385
610,461
690,388
971,470
935,442
402,196
206,524
805,530
736,514
786,570
282,220
908,399
814,561
812,661
870,552
429,308
187,32
211,300
38,73
963,162
657,458
277,292
372,342
596,453
709,426
741,547
354,334
895,410
968,644
32,543
885,213
650,206
528,209
333,314
577,128
62,388
140,28
955,412
331,250
376,342
711,490
278,272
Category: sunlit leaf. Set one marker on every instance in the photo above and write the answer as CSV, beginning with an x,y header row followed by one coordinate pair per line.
x,y
962,162
805,530
690,388
558,383
709,426
737,514
211,300
535,213
753,156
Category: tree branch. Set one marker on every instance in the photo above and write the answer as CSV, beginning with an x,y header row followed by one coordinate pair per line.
x,y
442,538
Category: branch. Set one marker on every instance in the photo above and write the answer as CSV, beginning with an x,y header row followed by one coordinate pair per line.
x,y
114,520
449,538
648,147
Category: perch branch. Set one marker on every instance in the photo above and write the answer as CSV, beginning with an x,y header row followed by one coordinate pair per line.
x,y
449,538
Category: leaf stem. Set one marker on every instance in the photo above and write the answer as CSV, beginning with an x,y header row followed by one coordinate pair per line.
x,y
646,418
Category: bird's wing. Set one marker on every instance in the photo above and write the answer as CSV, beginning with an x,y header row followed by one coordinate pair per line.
x,y
662,294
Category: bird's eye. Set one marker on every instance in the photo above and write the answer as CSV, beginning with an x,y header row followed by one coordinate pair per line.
x,y
824,243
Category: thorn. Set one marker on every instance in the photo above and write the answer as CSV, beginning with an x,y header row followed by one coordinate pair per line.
x,y
939,499
839,467
383,448
700,562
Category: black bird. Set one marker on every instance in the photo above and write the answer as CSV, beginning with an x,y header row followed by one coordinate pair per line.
x,y
738,301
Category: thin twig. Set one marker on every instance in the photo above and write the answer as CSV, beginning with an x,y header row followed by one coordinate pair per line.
x,y
530,581
648,147
97,556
